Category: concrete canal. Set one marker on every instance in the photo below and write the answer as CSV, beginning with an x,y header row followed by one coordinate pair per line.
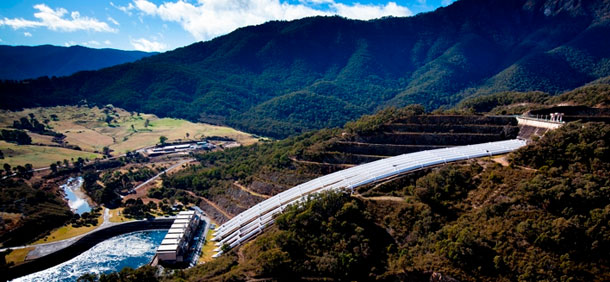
x,y
128,250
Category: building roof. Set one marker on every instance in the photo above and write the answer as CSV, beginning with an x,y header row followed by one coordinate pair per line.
x,y
168,248
176,230
174,235
179,225
181,221
187,212
169,241
184,216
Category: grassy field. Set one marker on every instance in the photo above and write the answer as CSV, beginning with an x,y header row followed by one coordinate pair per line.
x,y
207,251
66,232
92,129
18,256
39,156
116,215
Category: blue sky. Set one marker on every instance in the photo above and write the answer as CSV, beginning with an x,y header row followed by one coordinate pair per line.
x,y
154,25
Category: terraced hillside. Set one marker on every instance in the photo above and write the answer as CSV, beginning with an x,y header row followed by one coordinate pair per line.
x,y
417,133
235,180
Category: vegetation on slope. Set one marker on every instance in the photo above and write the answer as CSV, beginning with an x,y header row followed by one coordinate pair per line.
x,y
284,78
594,95
238,178
473,222
40,211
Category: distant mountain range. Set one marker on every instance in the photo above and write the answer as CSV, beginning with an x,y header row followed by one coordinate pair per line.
x,y
282,78
22,62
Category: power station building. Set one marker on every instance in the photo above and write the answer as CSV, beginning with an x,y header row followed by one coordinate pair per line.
x,y
175,246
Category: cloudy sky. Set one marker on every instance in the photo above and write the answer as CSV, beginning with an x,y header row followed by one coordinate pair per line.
x,y
161,25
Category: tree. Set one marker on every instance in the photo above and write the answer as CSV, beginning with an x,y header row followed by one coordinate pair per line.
x,y
133,128
7,168
106,151
162,140
187,135
22,172
66,163
53,167
146,123
1,155
79,163
23,139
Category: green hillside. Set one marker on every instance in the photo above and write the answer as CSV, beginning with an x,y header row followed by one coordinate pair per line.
x,y
283,78
544,217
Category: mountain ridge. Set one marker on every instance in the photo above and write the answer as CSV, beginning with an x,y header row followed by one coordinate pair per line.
x,y
472,47
26,62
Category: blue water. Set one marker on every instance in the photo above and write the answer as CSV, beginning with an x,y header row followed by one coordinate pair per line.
x,y
77,204
129,250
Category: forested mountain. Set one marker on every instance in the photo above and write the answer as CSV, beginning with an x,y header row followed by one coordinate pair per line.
x,y
281,78
540,213
22,62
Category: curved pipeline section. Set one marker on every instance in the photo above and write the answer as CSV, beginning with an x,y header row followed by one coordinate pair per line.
x,y
253,221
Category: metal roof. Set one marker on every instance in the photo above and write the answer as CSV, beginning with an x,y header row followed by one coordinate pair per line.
x,y
169,241
167,248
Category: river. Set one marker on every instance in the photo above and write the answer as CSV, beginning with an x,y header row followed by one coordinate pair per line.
x,y
75,196
129,250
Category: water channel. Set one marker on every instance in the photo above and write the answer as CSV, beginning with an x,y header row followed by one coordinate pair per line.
x,y
129,250
75,195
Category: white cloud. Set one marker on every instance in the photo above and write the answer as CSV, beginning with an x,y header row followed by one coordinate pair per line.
x,y
113,21
27,34
69,43
366,12
91,43
55,20
146,45
126,9
207,19
107,42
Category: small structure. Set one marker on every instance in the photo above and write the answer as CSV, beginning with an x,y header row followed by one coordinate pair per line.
x,y
174,248
180,148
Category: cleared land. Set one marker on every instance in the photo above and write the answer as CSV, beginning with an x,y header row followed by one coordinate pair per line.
x,y
17,256
94,128
40,156
116,215
68,231
207,251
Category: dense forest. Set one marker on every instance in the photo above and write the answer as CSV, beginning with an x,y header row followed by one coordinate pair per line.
x,y
283,78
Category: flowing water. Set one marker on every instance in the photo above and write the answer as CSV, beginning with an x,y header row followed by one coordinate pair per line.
x,y
76,203
129,250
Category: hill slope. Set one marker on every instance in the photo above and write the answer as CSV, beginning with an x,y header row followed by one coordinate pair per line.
x,y
22,62
282,78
